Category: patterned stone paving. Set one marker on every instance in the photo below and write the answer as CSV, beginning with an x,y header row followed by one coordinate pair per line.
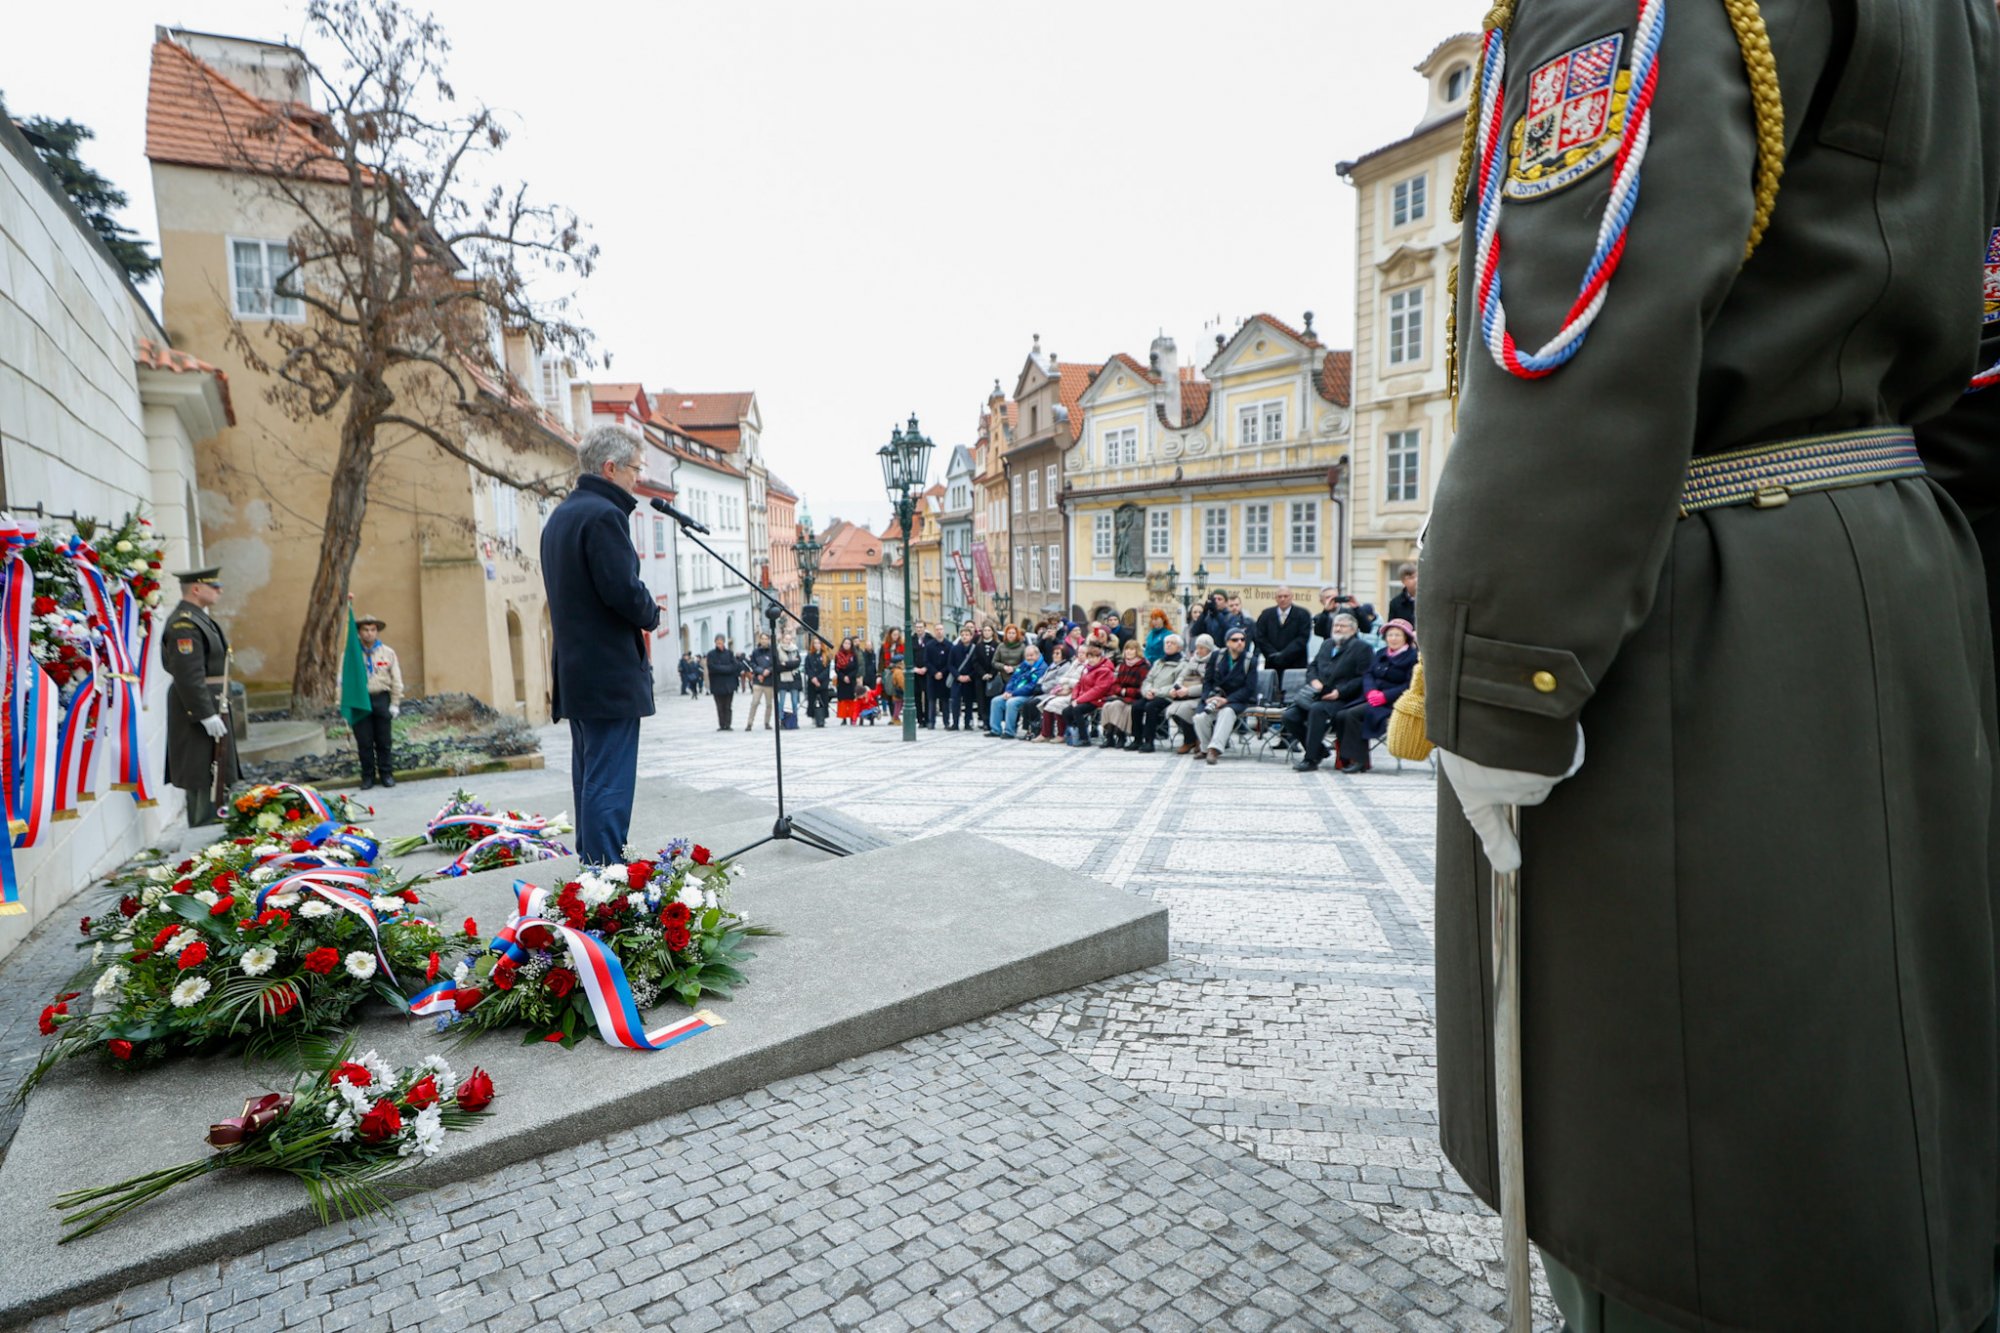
x,y
1245,1138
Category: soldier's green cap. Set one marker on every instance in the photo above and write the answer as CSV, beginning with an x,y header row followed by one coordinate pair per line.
x,y
212,575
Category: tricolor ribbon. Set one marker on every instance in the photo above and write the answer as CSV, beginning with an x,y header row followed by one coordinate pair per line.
x,y
498,823
38,757
346,888
526,846
597,969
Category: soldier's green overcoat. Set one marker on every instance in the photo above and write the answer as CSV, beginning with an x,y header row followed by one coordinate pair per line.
x,y
193,649
1757,928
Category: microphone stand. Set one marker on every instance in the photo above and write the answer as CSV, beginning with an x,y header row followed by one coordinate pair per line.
x,y
784,830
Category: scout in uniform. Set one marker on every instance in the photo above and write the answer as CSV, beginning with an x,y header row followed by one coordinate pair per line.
x,y
1691,600
372,739
195,653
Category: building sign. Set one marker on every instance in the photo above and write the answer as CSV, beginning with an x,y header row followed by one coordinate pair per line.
x,y
982,565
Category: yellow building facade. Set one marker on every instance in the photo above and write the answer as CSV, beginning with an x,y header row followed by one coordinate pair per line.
x,y
1226,470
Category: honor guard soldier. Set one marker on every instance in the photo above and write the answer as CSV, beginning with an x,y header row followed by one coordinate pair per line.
x,y
201,757
1684,520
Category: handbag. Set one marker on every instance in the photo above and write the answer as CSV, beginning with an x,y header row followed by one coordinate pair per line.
x,y
1407,737
897,677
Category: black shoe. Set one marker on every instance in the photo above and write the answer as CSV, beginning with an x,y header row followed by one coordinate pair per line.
x,y
1144,747
1303,767
366,783
389,781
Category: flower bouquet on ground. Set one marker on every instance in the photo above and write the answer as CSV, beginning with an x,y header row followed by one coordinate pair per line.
x,y
269,945
269,807
340,1130
485,839
613,941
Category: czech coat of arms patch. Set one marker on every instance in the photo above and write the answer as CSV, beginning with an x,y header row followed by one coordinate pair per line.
x,y
1992,278
1575,119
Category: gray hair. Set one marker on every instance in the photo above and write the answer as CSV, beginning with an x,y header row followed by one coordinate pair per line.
x,y
1202,641
608,444
1348,616
1174,639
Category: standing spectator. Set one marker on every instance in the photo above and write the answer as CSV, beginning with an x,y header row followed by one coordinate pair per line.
x,y
920,677
937,680
1335,684
372,738
1284,632
788,674
1115,627
1209,619
1329,602
725,670
1366,718
600,613
1403,606
846,682
1157,634
961,674
1117,710
986,649
871,673
1156,695
1004,714
1058,684
1229,691
1235,619
1185,695
895,671
690,673
818,674
762,678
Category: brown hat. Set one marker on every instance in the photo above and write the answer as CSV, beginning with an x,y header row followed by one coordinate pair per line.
x,y
377,621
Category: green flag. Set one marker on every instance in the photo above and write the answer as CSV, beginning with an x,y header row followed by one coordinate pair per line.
x,y
354,675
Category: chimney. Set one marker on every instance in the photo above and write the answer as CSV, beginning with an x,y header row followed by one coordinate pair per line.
x,y
1166,360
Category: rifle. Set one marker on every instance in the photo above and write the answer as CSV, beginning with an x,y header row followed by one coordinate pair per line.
x,y
225,747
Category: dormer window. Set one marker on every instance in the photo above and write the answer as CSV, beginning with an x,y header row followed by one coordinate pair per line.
x,y
1456,81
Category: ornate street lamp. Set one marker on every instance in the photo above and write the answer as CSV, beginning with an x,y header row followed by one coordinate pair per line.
x,y
906,461
807,549
1003,607
1188,595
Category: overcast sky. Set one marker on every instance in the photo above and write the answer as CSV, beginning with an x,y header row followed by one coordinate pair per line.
x,y
862,209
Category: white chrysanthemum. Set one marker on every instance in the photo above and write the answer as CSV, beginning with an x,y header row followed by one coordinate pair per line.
x,y
386,905
437,1065
181,940
598,889
189,991
380,1074
109,981
690,896
269,819
360,966
265,874
286,900
462,973
258,961
636,901
207,898
316,909
426,1132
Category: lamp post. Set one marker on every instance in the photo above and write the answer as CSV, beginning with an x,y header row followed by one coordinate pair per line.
x,y
807,549
1188,595
906,461
1003,607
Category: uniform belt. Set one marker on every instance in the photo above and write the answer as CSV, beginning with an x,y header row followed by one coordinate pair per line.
x,y
1769,475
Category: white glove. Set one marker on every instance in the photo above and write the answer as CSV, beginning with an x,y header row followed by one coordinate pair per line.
x,y
215,726
395,709
1485,793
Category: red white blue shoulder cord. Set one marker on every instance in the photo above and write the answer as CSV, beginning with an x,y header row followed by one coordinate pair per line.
x,y
1618,210
1985,379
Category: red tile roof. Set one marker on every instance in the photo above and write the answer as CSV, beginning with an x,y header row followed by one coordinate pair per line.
x,y
196,117
1074,377
1335,378
158,356
849,546
1285,328
704,409
616,393
1194,397
776,486
675,441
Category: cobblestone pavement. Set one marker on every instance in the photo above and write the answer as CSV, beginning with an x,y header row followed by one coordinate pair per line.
x,y
1245,1138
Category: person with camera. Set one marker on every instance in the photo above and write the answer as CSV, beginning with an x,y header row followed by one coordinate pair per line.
x,y
1228,691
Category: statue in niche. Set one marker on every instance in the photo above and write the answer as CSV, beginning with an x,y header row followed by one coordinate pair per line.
x,y
1128,527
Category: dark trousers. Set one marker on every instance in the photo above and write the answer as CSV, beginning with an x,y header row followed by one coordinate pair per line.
x,y
723,703
920,695
1350,730
1149,716
603,768
940,689
1317,719
967,698
371,740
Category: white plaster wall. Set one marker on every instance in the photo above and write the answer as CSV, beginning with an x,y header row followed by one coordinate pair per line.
x,y
73,435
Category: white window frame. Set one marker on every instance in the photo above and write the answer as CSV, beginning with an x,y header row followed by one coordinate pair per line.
x,y
1215,531
1035,568
1274,421
1100,534
659,534
1017,492
1034,491
1020,560
1257,528
1052,486
1248,418
1159,533
1409,200
1121,446
1302,538
266,293
1055,567
1403,325
1402,466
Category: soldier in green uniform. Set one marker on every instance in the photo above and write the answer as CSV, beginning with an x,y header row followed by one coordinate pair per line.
x,y
195,653
1757,944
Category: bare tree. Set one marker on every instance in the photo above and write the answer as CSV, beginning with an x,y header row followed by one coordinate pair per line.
x,y
407,278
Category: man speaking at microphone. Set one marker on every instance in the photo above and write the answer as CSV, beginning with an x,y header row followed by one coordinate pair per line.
x,y
600,613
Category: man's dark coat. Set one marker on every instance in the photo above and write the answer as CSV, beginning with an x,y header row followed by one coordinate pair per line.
x,y
599,610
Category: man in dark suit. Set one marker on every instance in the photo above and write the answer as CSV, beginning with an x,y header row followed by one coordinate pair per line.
x,y
600,613
1403,606
1284,632
936,652
1335,683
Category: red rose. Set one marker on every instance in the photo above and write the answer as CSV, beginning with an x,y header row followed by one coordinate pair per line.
x,y
222,905
160,940
243,842
194,955
183,886
291,812
128,906
637,873
478,831
274,916
677,938
322,961
503,975
222,881
476,1092
48,1020
700,855
121,1049
472,927
84,926
466,998
280,1000
44,605
381,1122
607,916
353,1073
301,845
431,969
575,919
504,855
560,981
184,866
422,1093
677,914
409,896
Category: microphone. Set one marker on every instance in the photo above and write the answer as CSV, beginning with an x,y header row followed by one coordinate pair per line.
x,y
676,515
